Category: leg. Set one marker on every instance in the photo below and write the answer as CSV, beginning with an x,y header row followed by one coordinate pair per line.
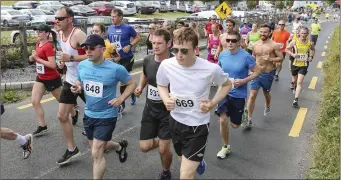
x,y
299,85
165,153
37,94
24,141
251,102
8,134
224,129
65,122
267,96
56,93
148,145
98,160
188,168
278,68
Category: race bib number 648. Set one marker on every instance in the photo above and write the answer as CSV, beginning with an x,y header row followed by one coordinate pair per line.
x,y
94,89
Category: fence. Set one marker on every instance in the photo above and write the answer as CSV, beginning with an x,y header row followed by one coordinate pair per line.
x,y
15,51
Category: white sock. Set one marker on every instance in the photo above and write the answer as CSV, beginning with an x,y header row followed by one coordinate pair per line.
x,y
71,150
21,139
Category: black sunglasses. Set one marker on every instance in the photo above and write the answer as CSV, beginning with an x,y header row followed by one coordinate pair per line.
x,y
231,40
60,18
183,51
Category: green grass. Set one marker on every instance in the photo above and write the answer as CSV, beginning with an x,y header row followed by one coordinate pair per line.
x,y
5,37
169,15
8,3
326,141
14,96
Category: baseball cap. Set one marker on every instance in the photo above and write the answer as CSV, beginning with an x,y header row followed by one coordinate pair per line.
x,y
93,40
43,27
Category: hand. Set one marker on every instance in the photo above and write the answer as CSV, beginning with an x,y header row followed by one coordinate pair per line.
x,y
34,55
127,48
116,102
76,89
60,65
206,106
64,57
138,92
266,57
216,56
31,59
170,103
238,82
296,56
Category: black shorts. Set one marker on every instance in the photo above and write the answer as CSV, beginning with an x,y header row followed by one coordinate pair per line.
x,y
154,124
284,53
99,128
62,71
127,62
295,70
68,97
233,107
50,85
314,38
189,141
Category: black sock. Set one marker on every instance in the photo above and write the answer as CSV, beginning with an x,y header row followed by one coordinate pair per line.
x,y
225,146
165,172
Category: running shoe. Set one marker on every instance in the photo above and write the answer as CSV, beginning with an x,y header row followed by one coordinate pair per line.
x,y
27,147
248,123
133,100
266,111
166,175
40,130
68,156
224,152
122,154
295,103
201,168
276,78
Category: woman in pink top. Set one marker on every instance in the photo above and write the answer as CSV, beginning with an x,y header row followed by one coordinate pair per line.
x,y
213,43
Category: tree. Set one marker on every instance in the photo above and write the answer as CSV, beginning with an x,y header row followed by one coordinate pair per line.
x,y
279,4
251,4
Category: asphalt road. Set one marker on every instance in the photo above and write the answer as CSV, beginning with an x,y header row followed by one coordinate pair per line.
x,y
265,151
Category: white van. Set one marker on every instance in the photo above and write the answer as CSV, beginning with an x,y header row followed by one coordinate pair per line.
x,y
127,7
171,5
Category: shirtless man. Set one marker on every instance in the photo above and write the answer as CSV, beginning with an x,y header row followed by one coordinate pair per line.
x,y
267,53
230,25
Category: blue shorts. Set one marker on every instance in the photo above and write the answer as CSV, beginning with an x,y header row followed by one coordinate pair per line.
x,y
233,107
99,128
264,80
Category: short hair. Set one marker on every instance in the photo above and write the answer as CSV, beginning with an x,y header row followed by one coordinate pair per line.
x,y
117,11
163,32
169,23
101,26
304,28
235,33
231,21
68,11
266,26
186,34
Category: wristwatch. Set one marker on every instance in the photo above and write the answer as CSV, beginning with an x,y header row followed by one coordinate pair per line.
x,y
71,58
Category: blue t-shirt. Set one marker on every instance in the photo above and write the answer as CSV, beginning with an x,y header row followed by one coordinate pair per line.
x,y
237,66
120,36
99,82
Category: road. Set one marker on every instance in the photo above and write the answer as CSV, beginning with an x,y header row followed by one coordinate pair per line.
x,y
266,151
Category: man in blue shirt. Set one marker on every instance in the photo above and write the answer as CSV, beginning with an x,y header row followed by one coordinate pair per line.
x,y
120,34
236,62
99,78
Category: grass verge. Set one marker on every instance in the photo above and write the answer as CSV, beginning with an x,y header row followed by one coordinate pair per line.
x,y
326,141
8,97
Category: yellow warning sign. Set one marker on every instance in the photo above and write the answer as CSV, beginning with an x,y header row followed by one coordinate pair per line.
x,y
223,10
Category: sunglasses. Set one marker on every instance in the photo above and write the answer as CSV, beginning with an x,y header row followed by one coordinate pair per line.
x,y
231,40
281,24
91,48
60,18
183,51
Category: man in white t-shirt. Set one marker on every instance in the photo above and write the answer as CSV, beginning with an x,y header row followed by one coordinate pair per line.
x,y
190,79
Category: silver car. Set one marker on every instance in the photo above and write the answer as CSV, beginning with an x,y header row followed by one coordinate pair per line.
x,y
33,13
13,17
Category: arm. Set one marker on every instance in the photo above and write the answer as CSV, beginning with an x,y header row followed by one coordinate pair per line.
x,y
143,81
279,55
50,63
131,85
136,40
311,51
221,93
81,37
289,49
163,93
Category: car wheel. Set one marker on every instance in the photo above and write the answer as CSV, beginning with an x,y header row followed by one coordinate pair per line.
x,y
139,11
101,14
157,10
6,23
16,38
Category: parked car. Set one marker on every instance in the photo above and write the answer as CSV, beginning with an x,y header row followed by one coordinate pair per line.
x,y
143,8
180,6
51,3
199,8
102,8
33,13
13,17
189,8
83,10
25,5
49,9
171,5
72,3
160,6
106,20
127,7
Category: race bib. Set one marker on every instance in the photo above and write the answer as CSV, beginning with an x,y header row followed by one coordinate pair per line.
x,y
244,36
153,93
40,68
94,89
150,52
213,51
186,103
302,57
281,45
117,45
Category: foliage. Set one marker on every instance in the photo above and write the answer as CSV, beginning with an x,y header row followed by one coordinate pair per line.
x,y
251,4
14,96
326,146
279,4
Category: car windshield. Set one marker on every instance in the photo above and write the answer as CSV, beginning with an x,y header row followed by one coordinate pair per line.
x,y
15,13
109,5
95,19
84,8
130,5
37,12
162,3
39,18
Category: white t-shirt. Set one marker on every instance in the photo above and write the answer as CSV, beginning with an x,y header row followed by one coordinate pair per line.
x,y
190,85
295,26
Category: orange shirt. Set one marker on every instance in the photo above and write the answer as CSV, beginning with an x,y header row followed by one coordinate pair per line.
x,y
281,37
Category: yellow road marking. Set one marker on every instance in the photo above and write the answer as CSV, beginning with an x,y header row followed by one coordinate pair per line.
x,y
298,123
313,82
325,47
319,65
138,72
30,105
323,54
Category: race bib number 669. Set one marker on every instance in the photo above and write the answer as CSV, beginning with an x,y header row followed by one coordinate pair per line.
x,y
94,89
186,103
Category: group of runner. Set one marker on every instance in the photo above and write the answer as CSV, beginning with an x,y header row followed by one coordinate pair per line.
x,y
177,83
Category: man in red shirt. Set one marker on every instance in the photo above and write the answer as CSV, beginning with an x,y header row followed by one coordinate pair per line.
x,y
208,26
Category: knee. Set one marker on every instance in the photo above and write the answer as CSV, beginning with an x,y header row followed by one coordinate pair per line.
x,y
223,119
252,97
234,126
97,153
35,102
299,83
62,116
145,147
186,173
164,149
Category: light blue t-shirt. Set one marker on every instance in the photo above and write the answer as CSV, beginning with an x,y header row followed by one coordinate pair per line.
x,y
237,66
120,36
99,83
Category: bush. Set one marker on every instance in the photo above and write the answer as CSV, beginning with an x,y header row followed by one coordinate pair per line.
x,y
14,96
326,146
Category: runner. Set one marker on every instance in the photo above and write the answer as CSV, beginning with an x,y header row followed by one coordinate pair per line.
x,y
24,141
170,26
155,117
193,25
267,53
188,101
236,62
304,53
230,25
208,26
252,37
315,29
48,77
213,44
100,114
245,30
293,37
281,37
120,34
149,43
110,52
71,39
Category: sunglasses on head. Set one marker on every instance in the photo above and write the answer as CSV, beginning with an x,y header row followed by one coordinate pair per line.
x,y
60,18
231,40
183,51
